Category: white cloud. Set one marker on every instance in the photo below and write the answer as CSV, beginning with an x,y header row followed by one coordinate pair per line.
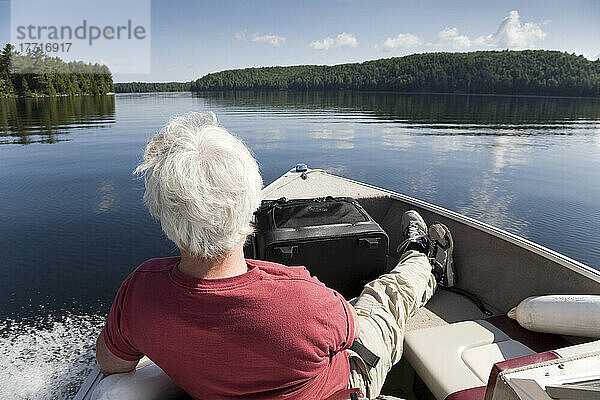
x,y
512,34
272,40
402,41
450,36
340,41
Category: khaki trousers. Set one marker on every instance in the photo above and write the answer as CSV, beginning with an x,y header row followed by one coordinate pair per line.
x,y
383,308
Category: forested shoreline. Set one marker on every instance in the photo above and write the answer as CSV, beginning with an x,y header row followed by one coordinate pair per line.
x,y
148,87
528,72
37,75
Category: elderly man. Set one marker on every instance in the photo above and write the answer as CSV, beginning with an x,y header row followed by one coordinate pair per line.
x,y
224,327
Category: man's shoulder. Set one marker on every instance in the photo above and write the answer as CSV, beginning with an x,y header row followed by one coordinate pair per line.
x,y
276,271
149,273
279,270
157,265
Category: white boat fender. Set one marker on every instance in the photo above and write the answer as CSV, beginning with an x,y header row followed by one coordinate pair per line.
x,y
575,315
147,381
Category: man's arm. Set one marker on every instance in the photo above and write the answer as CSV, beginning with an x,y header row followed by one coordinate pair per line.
x,y
108,362
355,317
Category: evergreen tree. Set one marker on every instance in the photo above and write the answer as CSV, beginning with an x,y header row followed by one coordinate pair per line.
x,y
6,86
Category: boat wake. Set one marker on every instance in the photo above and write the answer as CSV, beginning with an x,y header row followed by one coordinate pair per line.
x,y
46,359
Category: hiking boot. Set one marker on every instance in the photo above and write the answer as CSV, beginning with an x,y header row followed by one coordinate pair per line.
x,y
440,254
414,232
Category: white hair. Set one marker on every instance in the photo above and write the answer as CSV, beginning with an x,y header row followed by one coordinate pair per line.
x,y
202,183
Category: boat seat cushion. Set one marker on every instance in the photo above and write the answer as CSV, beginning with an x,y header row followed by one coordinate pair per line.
x,y
459,356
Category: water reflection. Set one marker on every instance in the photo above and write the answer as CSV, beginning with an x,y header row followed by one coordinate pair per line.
x,y
509,152
396,138
108,200
489,198
488,115
446,145
49,120
334,138
267,139
491,204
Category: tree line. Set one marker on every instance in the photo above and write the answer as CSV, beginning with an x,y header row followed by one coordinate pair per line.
x,y
528,72
147,87
37,74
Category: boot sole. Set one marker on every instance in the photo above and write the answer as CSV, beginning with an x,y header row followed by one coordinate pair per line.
x,y
447,243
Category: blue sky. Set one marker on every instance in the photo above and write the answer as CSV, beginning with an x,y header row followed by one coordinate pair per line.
x,y
192,38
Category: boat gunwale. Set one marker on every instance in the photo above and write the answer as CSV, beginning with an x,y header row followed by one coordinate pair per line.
x,y
554,256
90,383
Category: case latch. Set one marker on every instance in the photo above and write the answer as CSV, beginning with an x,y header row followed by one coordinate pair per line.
x,y
369,243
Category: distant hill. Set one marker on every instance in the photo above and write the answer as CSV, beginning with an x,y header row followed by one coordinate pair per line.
x,y
528,72
146,87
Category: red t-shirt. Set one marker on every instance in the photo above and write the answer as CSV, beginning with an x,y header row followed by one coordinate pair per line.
x,y
274,332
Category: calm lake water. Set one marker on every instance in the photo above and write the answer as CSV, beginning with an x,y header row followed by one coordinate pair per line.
x,y
73,225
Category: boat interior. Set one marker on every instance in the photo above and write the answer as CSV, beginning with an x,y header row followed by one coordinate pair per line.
x,y
453,343
461,345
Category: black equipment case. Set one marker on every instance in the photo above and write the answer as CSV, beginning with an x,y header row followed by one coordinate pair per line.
x,y
334,238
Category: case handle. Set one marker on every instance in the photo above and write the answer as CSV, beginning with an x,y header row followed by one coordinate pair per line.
x,y
286,251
